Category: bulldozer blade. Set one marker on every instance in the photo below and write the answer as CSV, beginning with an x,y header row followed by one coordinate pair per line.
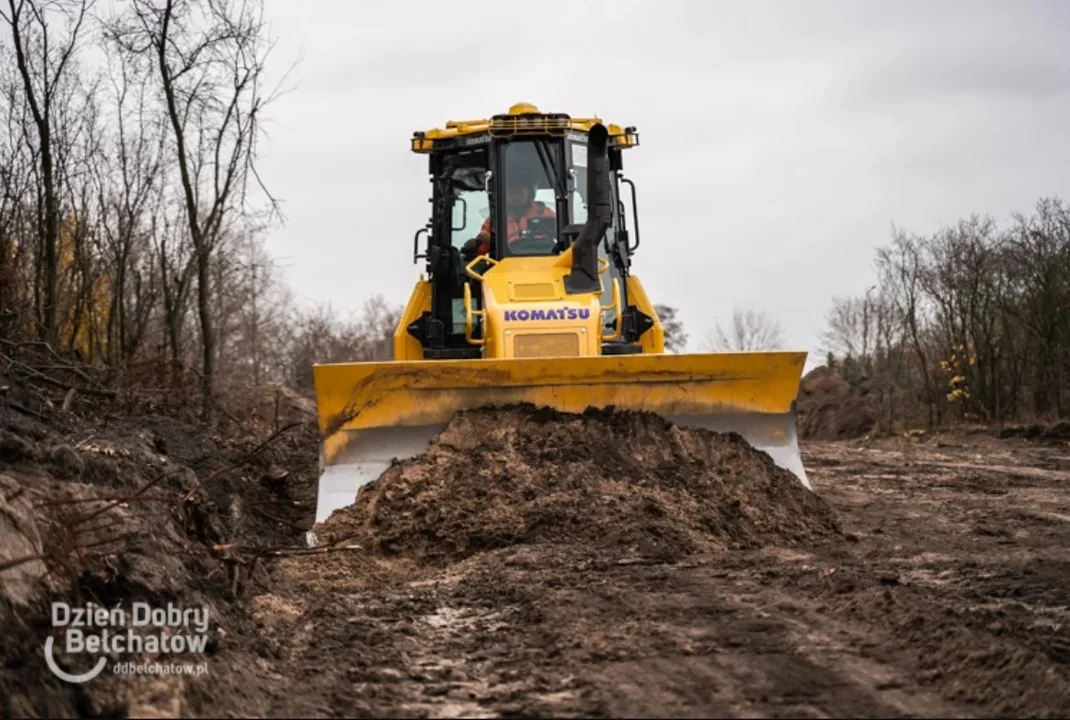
x,y
371,414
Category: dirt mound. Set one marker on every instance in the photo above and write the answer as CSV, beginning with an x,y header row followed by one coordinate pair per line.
x,y
831,409
1057,432
627,481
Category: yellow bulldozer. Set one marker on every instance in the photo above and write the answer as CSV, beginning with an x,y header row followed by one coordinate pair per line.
x,y
528,297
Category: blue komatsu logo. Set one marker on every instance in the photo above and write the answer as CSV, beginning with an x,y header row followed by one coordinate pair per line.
x,y
548,314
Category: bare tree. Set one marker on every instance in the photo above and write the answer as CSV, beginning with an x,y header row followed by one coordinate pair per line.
x,y
675,338
45,60
15,187
209,57
175,266
902,264
851,325
129,180
320,337
750,330
263,314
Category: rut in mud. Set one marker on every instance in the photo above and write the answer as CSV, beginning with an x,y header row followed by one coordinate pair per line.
x,y
626,481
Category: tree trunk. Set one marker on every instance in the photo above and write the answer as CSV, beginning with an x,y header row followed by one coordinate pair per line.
x,y
204,297
49,329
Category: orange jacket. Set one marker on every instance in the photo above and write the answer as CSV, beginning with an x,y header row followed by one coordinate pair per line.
x,y
537,209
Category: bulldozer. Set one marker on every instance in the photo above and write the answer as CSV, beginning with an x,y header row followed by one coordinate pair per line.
x,y
547,311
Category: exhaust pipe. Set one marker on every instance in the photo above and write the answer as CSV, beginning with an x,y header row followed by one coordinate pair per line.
x,y
584,275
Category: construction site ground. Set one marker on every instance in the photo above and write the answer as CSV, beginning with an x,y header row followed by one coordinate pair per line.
x,y
657,573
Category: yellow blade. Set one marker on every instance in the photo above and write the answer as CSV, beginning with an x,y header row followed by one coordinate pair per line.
x,y
371,413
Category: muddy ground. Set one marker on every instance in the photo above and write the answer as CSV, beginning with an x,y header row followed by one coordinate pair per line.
x,y
947,596
929,576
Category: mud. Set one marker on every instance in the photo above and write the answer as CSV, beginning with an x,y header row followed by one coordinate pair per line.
x,y
927,577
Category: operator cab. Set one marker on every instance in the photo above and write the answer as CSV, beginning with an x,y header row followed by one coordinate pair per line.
x,y
519,180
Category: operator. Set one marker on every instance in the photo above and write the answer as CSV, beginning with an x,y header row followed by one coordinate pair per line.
x,y
520,205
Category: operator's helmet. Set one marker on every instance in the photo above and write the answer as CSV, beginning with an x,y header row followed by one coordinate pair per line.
x,y
523,178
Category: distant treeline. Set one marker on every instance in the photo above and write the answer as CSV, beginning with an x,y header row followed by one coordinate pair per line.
x,y
971,323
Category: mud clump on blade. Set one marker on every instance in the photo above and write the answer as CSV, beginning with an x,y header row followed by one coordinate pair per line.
x,y
622,480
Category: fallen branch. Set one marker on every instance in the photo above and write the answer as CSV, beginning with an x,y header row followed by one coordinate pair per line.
x,y
296,552
65,364
242,460
8,565
99,528
106,498
15,495
272,518
99,392
115,504
107,540
287,551
23,409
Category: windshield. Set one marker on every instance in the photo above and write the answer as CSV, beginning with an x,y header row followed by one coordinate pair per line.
x,y
530,168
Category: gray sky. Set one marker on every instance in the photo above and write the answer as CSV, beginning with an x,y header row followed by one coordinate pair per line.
x,y
779,140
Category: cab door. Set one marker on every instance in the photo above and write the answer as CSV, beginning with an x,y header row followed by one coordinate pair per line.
x,y
462,204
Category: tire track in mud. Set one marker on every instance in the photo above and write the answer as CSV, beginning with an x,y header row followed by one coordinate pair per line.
x,y
541,632
977,583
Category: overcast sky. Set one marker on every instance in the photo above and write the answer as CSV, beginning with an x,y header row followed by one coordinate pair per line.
x,y
779,140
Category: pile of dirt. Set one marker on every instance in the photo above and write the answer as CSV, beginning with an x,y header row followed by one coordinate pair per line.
x,y
630,482
829,408
1057,432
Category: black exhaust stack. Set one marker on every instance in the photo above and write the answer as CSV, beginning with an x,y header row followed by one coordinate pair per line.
x,y
584,275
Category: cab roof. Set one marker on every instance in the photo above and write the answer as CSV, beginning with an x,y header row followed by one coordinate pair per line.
x,y
521,119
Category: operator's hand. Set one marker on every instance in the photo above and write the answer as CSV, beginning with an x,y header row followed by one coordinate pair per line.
x,y
470,248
